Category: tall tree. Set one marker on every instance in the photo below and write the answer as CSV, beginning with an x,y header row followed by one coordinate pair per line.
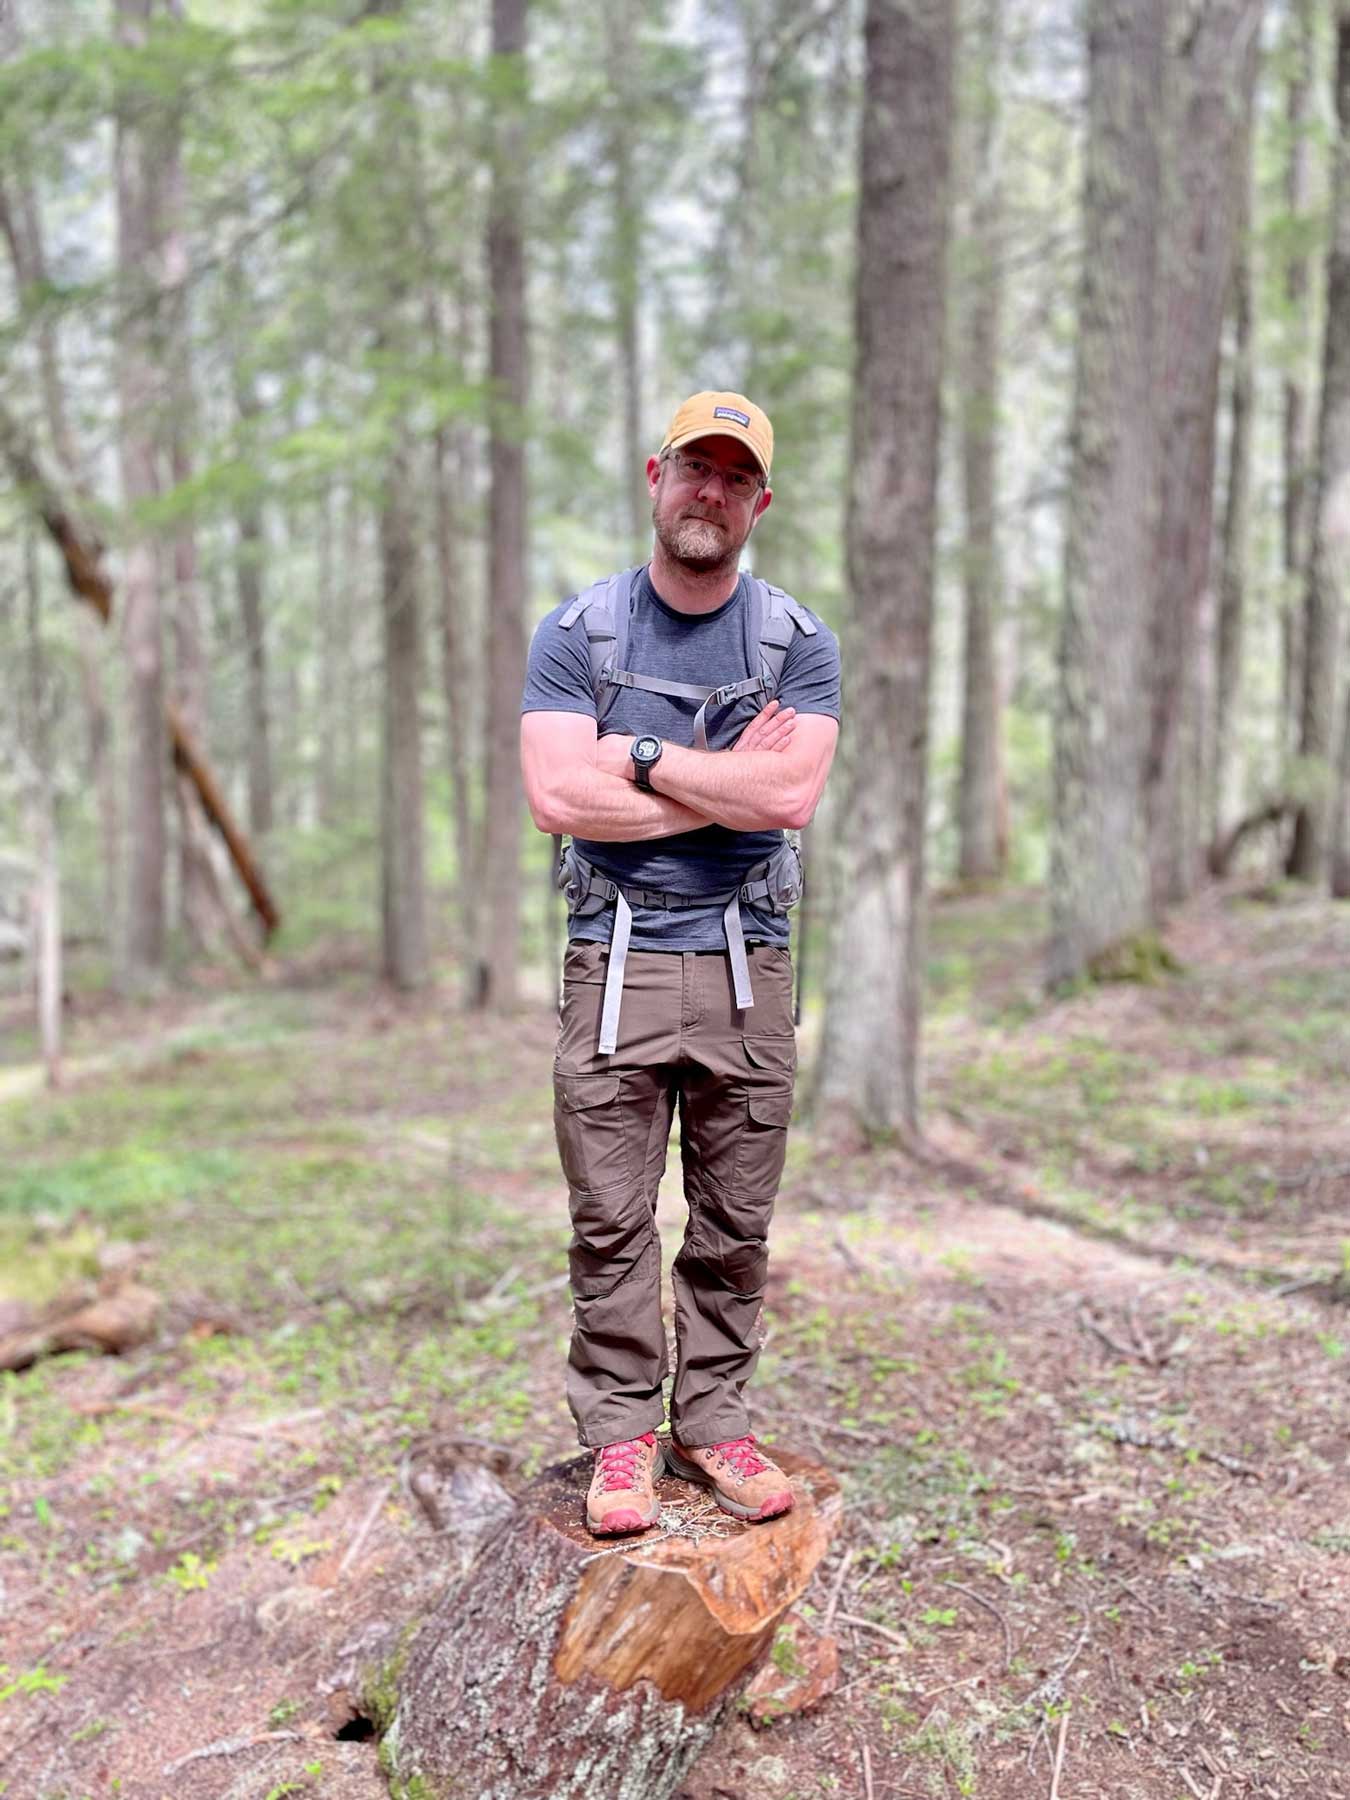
x,y
402,879
499,934
1298,59
869,1077
1099,887
1225,798
982,812
626,264
1206,139
21,225
140,244
1329,556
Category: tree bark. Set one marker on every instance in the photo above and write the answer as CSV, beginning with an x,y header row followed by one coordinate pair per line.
x,y
1340,829
982,801
329,698
1206,138
1295,445
1099,888
403,884
250,554
559,1668
1225,802
1329,558
194,898
495,984
21,225
139,253
869,1077
621,41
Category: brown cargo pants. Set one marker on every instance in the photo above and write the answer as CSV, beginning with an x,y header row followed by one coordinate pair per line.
x,y
681,1041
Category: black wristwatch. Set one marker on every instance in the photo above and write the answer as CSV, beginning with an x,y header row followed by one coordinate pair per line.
x,y
646,750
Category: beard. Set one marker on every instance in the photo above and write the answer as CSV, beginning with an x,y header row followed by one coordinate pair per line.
x,y
703,546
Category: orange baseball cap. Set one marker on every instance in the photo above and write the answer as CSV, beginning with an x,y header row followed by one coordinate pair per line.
x,y
723,415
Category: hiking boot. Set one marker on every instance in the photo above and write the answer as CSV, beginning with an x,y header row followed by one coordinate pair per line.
x,y
745,1483
621,1497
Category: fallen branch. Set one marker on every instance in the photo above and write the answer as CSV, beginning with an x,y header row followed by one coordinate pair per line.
x,y
989,1607
1059,1754
871,1625
232,1747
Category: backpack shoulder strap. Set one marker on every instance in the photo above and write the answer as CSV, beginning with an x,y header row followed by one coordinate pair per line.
x,y
774,615
604,606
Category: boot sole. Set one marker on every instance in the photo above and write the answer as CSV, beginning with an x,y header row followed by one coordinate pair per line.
x,y
630,1519
772,1508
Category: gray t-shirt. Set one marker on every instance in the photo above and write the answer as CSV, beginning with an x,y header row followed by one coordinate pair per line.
x,y
711,648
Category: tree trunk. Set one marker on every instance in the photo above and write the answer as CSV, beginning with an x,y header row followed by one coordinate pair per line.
x,y
1298,112
1206,140
982,810
626,259
194,901
499,914
1340,830
1225,800
1329,560
326,809
403,883
139,250
21,225
1099,889
869,1076
250,553
562,1669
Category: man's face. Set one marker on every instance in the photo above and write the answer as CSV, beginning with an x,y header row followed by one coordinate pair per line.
x,y
700,523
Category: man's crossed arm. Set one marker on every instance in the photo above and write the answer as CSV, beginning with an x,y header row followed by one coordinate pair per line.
x,y
582,784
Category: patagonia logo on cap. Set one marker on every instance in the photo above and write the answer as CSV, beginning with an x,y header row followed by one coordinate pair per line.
x,y
729,412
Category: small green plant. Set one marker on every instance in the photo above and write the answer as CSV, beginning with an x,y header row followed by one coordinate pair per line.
x,y
35,1681
190,1572
784,1655
283,1712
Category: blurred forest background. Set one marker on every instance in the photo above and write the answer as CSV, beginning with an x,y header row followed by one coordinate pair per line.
x,y
346,329
335,335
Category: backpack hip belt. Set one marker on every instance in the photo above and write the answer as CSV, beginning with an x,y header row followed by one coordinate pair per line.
x,y
775,882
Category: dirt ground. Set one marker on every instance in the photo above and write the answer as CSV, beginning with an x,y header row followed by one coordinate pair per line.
x,y
1082,1378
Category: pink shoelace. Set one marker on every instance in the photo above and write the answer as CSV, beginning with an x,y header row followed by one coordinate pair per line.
x,y
619,1462
743,1456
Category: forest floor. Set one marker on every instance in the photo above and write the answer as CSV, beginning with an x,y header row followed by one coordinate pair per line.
x,y
1083,1380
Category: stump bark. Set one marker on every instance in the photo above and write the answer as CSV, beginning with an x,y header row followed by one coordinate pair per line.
x,y
564,1665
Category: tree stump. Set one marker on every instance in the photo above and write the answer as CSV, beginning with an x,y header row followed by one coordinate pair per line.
x,y
565,1665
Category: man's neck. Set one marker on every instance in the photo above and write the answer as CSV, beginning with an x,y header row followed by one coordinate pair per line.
x,y
687,592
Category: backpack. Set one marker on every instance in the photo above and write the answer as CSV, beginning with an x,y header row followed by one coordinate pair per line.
x,y
605,608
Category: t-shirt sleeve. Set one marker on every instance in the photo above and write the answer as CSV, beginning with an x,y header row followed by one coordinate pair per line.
x,y
558,672
811,676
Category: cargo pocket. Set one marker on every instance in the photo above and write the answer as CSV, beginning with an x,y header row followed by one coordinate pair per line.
x,y
588,1119
763,1145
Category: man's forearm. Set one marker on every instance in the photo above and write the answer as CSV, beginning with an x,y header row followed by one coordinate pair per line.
x,y
589,803
752,791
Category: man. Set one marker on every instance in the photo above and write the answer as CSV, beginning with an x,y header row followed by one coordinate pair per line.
x,y
677,979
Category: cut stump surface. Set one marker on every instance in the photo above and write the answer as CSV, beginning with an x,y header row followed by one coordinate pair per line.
x,y
562,1659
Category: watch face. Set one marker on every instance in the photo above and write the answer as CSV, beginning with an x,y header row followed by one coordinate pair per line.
x,y
646,748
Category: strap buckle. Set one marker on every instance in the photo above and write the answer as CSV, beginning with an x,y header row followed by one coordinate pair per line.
x,y
723,696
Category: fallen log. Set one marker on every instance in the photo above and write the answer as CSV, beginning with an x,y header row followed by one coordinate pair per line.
x,y
564,1666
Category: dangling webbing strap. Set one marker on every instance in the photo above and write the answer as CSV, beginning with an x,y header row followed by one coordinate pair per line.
x,y
618,957
685,690
590,882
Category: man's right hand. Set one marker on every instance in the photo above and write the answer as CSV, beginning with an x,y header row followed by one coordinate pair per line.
x,y
770,729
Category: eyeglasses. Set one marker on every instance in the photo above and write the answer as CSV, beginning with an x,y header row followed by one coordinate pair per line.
x,y
740,483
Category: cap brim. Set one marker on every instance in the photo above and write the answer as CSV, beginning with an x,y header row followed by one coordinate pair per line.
x,y
720,429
